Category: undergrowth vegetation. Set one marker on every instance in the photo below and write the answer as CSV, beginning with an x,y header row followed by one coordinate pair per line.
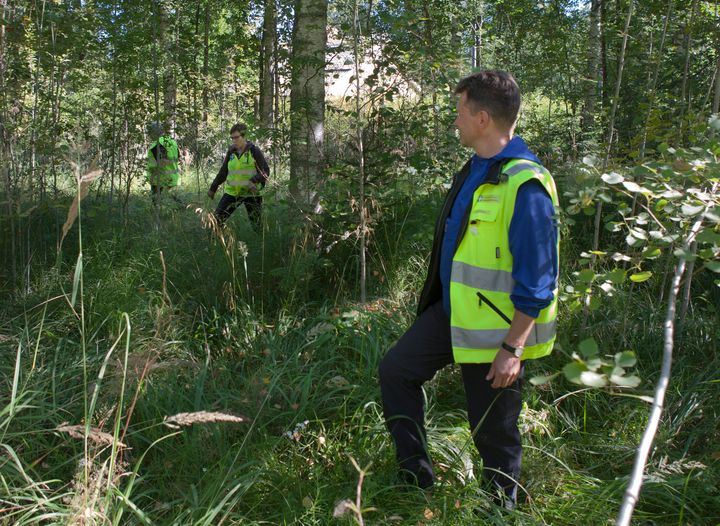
x,y
174,376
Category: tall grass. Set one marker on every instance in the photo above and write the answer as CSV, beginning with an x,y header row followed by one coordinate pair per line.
x,y
181,320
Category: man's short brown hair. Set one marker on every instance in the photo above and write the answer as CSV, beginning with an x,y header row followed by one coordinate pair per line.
x,y
240,128
494,91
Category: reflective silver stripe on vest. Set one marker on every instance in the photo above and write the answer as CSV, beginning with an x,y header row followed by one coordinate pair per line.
x,y
482,278
246,182
520,167
242,172
492,338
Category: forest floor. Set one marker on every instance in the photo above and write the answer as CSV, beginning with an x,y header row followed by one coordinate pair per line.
x,y
160,317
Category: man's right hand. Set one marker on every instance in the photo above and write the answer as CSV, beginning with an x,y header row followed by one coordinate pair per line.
x,y
211,194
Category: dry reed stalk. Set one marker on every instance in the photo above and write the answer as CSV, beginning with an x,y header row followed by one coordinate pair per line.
x,y
166,297
84,187
200,417
95,435
148,362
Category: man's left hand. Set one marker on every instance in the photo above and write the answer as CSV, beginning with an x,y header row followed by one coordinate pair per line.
x,y
504,370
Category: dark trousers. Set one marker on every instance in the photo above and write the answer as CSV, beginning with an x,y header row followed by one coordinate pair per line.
x,y
493,413
156,190
228,203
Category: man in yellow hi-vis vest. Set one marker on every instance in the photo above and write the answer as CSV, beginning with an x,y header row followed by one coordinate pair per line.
x,y
490,298
244,172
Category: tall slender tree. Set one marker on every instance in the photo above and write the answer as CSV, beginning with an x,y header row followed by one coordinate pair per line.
x,y
267,59
592,79
307,99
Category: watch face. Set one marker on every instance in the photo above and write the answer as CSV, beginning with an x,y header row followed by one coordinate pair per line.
x,y
518,351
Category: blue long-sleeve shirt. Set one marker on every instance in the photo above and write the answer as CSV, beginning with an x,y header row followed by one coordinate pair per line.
x,y
532,235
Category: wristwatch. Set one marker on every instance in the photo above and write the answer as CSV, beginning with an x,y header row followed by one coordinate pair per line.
x,y
517,351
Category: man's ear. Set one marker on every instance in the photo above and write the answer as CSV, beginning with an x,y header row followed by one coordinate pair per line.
x,y
483,118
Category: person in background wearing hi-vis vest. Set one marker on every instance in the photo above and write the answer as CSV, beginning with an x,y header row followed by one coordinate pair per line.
x,y
490,298
244,172
162,161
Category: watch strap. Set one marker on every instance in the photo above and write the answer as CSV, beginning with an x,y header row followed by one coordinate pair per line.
x,y
517,351
508,347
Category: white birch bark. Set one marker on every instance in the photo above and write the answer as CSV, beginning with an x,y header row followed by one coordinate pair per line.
x,y
307,100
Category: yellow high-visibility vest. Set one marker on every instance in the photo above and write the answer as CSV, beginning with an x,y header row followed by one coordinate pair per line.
x,y
481,279
163,171
240,170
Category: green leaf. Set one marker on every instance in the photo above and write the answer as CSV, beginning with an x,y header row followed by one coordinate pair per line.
x,y
713,266
593,363
714,121
616,275
586,275
625,381
614,371
588,347
635,188
573,370
612,178
617,256
607,288
691,210
542,379
662,203
638,233
595,303
707,235
687,255
639,277
633,241
590,160
651,253
625,359
592,379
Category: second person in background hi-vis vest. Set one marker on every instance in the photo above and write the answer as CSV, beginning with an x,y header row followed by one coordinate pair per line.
x,y
244,172
162,169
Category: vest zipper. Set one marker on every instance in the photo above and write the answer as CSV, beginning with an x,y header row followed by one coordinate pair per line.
x,y
482,298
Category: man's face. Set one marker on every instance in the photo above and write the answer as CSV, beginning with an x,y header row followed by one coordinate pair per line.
x,y
237,139
469,124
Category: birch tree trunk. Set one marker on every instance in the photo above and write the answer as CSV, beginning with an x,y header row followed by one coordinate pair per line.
x,y
632,492
653,82
716,98
165,63
611,126
113,132
477,26
361,155
593,67
685,96
307,100
603,55
206,63
5,153
267,73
